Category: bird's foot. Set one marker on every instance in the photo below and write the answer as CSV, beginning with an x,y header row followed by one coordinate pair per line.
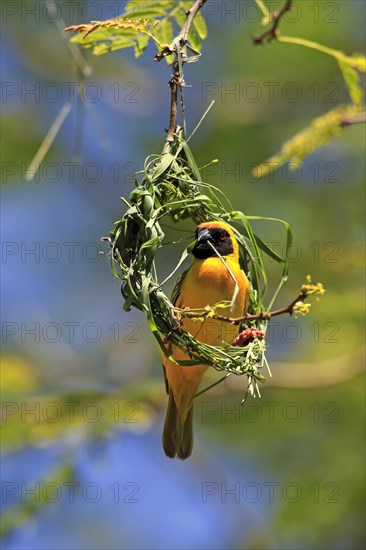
x,y
248,334
177,317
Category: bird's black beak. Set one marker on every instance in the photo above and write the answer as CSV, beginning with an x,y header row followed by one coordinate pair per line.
x,y
204,236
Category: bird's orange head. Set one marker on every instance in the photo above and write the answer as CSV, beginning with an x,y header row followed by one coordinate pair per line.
x,y
218,234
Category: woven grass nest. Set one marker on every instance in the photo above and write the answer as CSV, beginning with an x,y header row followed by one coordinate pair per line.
x,y
170,186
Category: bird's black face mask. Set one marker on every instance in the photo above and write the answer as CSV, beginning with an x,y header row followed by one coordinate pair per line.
x,y
218,237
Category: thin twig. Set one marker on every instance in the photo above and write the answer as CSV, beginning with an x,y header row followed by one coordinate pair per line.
x,y
191,14
272,33
262,316
182,37
177,81
173,84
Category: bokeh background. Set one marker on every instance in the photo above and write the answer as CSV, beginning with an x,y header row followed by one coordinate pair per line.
x,y
82,388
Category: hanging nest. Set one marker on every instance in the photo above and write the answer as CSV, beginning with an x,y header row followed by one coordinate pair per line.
x,y
171,187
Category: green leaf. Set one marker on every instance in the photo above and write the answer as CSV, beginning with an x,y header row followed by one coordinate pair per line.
x,y
147,13
100,49
164,32
191,161
200,25
163,165
257,263
267,250
149,10
133,8
289,238
142,41
104,40
194,39
180,17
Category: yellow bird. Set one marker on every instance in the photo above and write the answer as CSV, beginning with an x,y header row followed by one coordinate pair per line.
x,y
207,282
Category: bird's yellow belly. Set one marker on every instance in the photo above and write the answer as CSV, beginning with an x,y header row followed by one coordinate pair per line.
x,y
210,283
207,283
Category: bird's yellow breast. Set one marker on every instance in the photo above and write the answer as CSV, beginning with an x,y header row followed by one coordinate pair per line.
x,y
207,283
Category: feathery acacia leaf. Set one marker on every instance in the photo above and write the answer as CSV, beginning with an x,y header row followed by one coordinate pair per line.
x,y
319,133
115,34
352,80
137,25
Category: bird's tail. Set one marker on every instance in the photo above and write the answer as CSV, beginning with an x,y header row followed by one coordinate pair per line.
x,y
177,435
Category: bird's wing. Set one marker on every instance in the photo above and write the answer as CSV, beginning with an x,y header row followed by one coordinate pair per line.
x,y
165,378
175,301
177,288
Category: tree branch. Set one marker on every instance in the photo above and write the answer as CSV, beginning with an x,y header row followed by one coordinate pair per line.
x,y
262,316
272,33
191,14
182,37
306,290
176,80
173,84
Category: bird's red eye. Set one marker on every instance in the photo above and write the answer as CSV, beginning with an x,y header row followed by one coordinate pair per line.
x,y
222,238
